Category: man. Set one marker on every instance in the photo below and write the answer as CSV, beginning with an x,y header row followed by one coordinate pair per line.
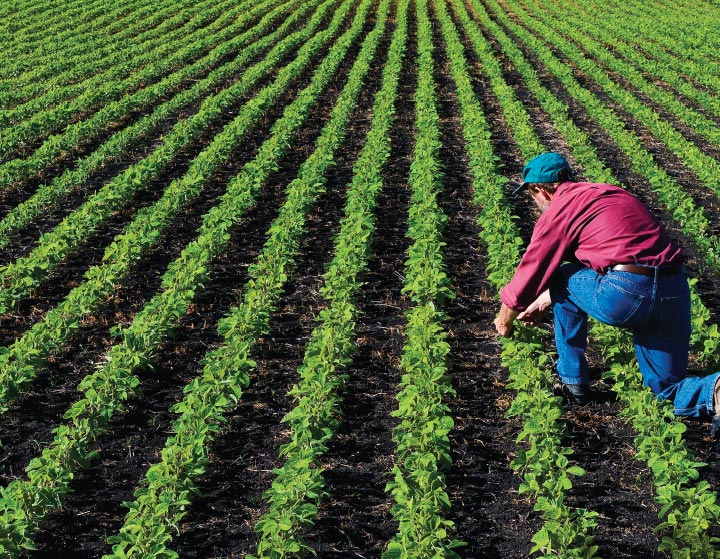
x,y
597,250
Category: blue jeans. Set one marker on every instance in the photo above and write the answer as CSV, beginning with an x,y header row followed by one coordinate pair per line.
x,y
655,308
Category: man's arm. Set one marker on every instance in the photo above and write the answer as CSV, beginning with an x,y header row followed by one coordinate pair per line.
x,y
535,312
531,315
548,247
504,321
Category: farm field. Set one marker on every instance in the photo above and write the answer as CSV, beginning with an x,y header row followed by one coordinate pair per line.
x,y
250,254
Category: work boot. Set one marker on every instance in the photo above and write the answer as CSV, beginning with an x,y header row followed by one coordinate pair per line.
x,y
575,394
715,426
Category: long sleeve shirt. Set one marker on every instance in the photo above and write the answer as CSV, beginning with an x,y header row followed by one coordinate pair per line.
x,y
596,225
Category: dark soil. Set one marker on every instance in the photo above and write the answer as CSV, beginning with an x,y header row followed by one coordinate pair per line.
x,y
354,520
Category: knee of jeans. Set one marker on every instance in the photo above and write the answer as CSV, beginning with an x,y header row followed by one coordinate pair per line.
x,y
660,382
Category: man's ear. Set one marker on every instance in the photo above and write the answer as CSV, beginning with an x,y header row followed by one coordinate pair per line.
x,y
545,194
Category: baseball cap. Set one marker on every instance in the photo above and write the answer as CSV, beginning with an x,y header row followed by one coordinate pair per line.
x,y
543,168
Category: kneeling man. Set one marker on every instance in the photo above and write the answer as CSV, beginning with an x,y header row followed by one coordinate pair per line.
x,y
596,250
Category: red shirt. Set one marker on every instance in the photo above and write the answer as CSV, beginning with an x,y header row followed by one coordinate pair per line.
x,y
597,225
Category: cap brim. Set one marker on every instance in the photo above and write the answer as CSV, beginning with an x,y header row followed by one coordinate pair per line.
x,y
523,186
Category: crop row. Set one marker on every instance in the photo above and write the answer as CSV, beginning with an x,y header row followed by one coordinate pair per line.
x,y
668,34
687,214
21,362
168,484
418,484
616,66
683,501
583,150
121,144
32,75
673,72
36,29
543,461
154,65
61,80
296,492
83,132
510,106
92,85
25,503
28,272
703,166
207,48
20,15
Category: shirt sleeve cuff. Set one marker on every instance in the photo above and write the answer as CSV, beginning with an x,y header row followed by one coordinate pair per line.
x,y
510,301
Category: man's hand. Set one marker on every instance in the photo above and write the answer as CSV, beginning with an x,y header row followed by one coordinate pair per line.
x,y
535,312
504,321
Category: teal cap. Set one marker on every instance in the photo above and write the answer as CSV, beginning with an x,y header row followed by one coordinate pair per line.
x,y
543,168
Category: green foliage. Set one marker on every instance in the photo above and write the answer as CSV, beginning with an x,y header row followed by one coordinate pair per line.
x,y
24,123
423,444
297,488
543,461
665,449
25,503
122,142
19,365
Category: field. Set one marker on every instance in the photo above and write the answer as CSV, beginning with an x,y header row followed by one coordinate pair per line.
x,y
250,254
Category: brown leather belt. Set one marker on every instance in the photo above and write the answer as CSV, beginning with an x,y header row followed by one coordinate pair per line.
x,y
646,270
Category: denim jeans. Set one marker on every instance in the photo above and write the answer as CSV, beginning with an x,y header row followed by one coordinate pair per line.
x,y
655,308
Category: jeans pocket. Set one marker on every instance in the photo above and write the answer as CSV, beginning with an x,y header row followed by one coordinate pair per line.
x,y
617,305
